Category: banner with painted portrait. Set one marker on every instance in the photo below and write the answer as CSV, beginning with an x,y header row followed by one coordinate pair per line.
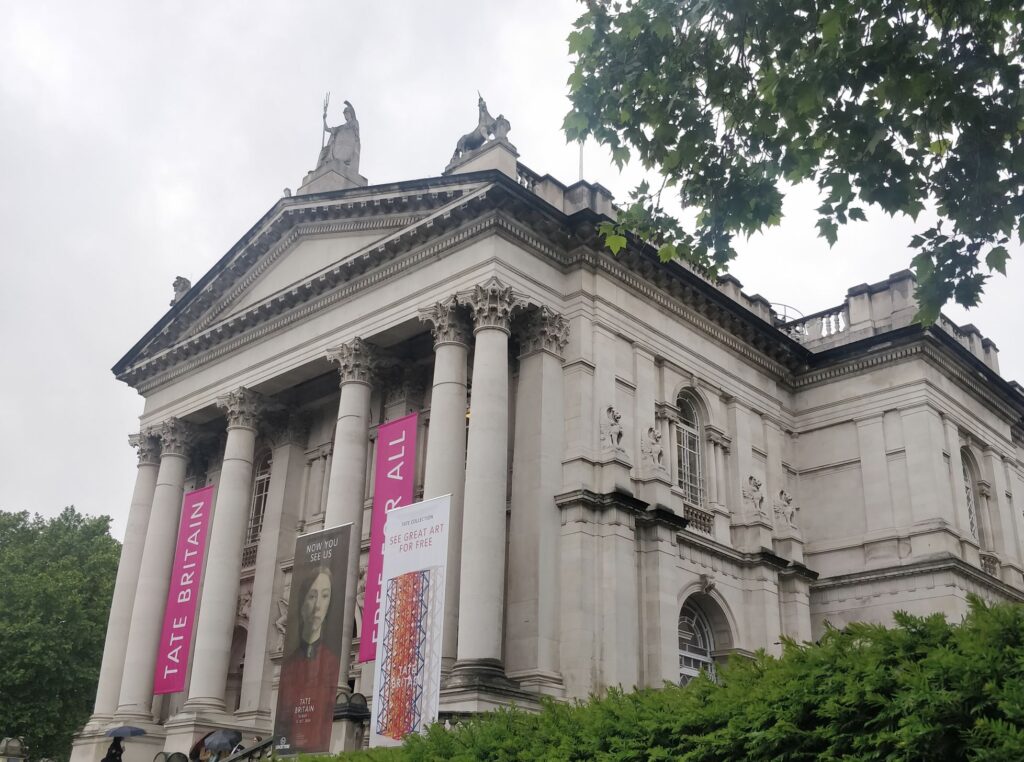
x,y
312,659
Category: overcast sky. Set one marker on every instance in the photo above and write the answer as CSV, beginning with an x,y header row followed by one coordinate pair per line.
x,y
140,140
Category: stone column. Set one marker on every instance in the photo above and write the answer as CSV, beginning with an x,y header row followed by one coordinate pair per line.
x,y
112,666
216,623
533,569
136,699
446,448
346,490
483,526
287,469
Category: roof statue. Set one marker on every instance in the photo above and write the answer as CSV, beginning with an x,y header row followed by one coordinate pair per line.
x,y
487,126
337,166
343,147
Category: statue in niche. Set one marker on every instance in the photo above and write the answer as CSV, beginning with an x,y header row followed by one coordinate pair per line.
x,y
486,127
785,510
343,145
611,429
753,493
244,605
360,601
281,623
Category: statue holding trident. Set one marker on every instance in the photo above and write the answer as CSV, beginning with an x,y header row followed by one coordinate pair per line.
x,y
343,145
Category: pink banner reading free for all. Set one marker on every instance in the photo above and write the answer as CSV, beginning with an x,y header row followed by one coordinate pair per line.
x,y
183,594
392,488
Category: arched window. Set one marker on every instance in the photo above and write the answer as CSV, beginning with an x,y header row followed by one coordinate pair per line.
x,y
689,459
260,489
696,644
971,492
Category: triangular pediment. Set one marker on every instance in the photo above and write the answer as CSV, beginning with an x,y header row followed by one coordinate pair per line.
x,y
292,249
306,257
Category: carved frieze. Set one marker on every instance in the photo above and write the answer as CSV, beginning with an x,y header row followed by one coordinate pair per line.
x,y
545,330
177,437
447,321
243,408
492,304
148,445
356,360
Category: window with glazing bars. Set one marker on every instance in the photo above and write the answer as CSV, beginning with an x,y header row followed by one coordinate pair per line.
x,y
689,471
260,489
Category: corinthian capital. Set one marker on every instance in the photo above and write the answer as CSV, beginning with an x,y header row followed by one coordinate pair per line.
x,y
492,305
148,444
356,361
243,408
545,331
177,437
447,323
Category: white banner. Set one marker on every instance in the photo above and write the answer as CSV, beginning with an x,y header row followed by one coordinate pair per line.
x,y
407,671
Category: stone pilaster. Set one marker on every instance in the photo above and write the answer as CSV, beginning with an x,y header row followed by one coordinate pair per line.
x,y
215,627
445,471
119,623
481,598
534,604
154,576
346,491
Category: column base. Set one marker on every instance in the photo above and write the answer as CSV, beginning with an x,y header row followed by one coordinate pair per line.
x,y
480,685
539,681
204,705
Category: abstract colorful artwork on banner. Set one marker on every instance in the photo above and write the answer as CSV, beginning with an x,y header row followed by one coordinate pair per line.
x,y
183,593
312,662
392,488
407,673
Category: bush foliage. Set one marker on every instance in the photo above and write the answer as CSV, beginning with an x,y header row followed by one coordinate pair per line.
x,y
922,690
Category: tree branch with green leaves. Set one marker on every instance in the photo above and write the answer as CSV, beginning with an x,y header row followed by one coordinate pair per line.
x,y
904,105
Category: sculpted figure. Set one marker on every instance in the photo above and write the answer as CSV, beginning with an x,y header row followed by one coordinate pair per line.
x,y
484,128
753,493
611,430
343,145
785,510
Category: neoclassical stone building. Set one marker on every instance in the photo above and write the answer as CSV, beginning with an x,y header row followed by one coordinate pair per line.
x,y
650,472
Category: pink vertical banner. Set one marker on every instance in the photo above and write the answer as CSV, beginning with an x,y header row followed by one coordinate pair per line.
x,y
392,488
183,594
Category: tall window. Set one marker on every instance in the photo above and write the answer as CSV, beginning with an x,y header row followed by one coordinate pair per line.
x,y
260,488
689,468
696,644
971,492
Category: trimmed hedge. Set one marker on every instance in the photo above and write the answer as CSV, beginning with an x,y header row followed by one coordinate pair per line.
x,y
922,690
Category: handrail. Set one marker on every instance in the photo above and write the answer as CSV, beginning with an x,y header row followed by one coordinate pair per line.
x,y
262,750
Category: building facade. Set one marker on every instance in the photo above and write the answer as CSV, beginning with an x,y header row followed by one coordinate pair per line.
x,y
650,472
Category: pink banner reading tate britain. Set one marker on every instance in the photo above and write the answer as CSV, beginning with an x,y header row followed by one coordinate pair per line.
x,y
183,595
392,488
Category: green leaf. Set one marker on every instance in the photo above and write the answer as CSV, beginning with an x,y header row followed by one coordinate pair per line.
x,y
828,230
856,213
667,252
996,259
615,243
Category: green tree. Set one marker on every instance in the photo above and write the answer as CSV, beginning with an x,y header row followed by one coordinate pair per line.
x,y
900,104
56,582
923,690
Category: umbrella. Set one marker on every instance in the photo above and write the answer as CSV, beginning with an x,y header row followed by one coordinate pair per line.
x,y
222,740
125,731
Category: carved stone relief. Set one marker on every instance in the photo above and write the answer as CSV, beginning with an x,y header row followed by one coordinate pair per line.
x,y
652,452
611,431
785,510
754,495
